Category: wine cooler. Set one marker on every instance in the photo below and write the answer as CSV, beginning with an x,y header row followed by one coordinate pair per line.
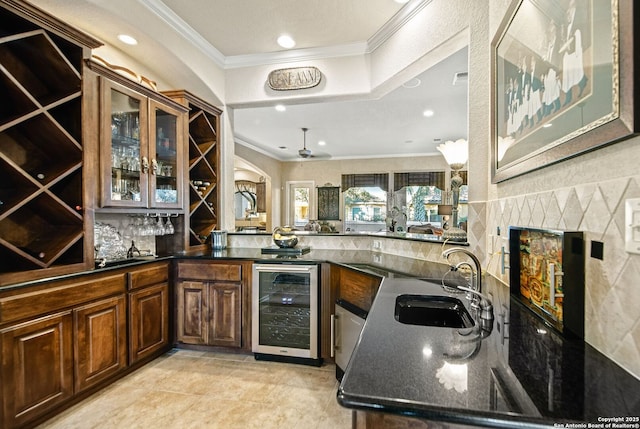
x,y
285,313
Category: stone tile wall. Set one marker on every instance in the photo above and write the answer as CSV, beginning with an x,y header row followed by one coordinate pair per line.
x,y
612,284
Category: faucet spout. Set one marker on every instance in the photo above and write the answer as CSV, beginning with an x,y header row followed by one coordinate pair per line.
x,y
476,279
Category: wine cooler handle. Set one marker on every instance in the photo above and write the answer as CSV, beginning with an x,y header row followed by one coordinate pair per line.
x,y
281,268
154,166
145,165
333,335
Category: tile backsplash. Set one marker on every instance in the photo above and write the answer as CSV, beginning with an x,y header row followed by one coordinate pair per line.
x,y
612,292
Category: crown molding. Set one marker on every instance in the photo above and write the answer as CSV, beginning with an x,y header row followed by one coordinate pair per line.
x,y
403,16
185,30
396,22
296,55
250,145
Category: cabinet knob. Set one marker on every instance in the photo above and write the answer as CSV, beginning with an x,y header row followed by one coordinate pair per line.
x,y
154,166
145,165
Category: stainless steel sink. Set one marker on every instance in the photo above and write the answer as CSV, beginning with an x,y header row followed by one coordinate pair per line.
x,y
432,310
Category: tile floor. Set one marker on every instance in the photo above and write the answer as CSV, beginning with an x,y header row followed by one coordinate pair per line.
x,y
191,389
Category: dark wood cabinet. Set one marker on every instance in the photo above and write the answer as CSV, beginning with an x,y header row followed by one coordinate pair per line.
x,y
43,212
37,367
141,144
63,338
226,317
192,312
370,420
357,287
354,286
203,189
213,302
100,341
148,311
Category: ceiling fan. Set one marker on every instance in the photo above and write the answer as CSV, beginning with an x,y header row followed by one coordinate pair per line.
x,y
305,153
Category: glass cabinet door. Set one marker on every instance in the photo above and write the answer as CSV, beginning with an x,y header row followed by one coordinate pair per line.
x,y
165,149
141,150
125,158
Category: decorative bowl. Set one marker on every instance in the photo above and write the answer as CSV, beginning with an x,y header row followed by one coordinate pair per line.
x,y
284,237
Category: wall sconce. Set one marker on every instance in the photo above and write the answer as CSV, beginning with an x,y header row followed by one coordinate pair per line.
x,y
456,154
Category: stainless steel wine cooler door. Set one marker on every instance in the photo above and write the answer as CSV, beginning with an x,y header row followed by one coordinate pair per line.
x,y
285,310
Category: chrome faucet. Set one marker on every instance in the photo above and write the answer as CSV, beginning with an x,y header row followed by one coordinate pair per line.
x,y
479,302
476,275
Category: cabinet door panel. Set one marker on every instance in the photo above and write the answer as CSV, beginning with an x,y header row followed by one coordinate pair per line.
x,y
165,152
101,347
359,289
225,314
149,321
37,368
124,146
192,313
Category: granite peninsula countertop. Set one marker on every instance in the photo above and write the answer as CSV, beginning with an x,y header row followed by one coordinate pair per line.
x,y
522,375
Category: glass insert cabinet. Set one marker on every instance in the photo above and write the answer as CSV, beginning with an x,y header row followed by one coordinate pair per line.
x,y
141,149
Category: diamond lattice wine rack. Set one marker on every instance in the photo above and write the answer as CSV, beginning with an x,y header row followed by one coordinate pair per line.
x,y
204,123
41,197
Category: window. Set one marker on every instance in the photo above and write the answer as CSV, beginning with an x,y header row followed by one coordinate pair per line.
x,y
415,200
365,201
300,203
418,194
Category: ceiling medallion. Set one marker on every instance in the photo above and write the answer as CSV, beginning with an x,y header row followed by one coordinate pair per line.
x,y
294,78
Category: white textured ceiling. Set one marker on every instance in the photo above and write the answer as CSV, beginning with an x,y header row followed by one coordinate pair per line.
x,y
244,27
245,31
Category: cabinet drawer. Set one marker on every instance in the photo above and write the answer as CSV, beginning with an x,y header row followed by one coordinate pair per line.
x,y
149,276
228,272
56,297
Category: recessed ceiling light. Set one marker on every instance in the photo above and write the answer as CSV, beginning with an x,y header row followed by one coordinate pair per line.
x,y
281,107
412,83
129,40
322,143
428,113
286,41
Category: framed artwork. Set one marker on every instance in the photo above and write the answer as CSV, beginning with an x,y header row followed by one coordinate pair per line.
x,y
328,203
563,81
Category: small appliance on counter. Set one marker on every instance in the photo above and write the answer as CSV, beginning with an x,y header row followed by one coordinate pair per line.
x,y
218,240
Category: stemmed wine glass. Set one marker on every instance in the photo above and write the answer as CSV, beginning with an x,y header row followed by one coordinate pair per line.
x,y
159,228
168,227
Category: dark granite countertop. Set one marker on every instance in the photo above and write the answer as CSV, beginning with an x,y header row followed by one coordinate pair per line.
x,y
523,374
413,236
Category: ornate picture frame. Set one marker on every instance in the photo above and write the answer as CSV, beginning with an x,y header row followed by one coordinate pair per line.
x,y
563,82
